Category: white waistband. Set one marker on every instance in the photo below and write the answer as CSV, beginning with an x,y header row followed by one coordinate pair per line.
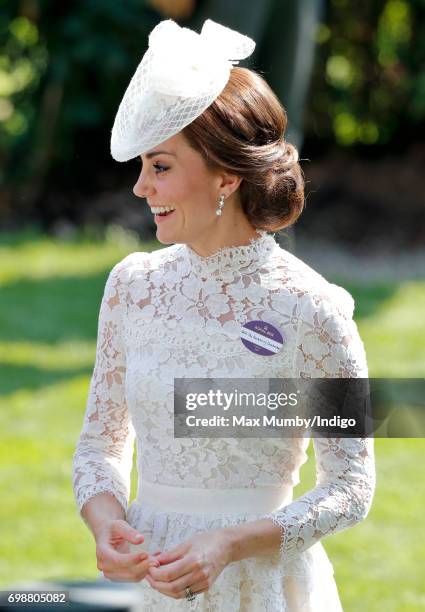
x,y
167,498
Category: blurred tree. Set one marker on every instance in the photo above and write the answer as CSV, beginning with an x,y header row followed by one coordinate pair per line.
x,y
369,85
63,68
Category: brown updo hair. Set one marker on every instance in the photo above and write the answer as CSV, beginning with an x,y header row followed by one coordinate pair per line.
x,y
243,132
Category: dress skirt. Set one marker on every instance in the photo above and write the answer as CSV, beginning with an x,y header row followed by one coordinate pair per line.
x,y
305,583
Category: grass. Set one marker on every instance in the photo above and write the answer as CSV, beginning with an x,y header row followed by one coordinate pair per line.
x,y
49,298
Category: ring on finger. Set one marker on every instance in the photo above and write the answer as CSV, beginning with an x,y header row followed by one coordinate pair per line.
x,y
190,596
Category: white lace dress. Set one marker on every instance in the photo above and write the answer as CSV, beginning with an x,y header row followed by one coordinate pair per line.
x,y
173,313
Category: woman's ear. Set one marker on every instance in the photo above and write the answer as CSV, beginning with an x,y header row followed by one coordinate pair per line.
x,y
229,183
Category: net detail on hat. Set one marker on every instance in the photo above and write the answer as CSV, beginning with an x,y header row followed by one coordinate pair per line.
x,y
180,75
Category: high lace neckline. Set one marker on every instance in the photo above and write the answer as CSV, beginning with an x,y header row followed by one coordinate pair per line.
x,y
228,260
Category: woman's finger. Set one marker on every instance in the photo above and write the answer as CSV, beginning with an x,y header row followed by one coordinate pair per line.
x,y
172,571
109,559
117,577
123,529
175,553
199,587
196,590
175,588
134,574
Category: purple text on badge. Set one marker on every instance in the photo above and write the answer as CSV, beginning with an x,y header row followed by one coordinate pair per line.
x,y
261,337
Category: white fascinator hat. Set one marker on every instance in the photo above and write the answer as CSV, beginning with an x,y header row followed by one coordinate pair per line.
x,y
180,75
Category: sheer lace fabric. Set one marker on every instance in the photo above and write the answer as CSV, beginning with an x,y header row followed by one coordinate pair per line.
x,y
173,313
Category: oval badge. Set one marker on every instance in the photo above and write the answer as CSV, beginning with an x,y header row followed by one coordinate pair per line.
x,y
261,338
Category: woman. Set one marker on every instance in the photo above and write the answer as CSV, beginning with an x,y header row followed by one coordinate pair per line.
x,y
214,522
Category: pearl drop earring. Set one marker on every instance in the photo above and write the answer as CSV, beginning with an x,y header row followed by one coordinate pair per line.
x,y
218,212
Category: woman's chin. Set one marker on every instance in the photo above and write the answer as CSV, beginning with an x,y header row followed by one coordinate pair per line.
x,y
165,237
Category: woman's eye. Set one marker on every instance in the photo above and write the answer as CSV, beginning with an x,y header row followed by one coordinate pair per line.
x,y
159,168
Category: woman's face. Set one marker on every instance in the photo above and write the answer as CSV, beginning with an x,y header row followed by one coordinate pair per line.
x,y
175,175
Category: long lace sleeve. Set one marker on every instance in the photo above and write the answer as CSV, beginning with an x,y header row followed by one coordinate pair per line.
x,y
329,346
103,457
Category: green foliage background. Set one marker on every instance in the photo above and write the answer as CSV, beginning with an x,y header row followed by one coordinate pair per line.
x,y
372,54
63,67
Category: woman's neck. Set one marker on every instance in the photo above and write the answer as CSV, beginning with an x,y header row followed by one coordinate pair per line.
x,y
235,230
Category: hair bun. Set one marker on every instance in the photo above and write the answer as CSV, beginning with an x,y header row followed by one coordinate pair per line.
x,y
243,132
289,154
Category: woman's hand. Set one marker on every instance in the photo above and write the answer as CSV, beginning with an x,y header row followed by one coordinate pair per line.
x,y
113,552
195,563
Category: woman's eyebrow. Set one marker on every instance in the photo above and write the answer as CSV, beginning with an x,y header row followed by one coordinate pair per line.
x,y
153,153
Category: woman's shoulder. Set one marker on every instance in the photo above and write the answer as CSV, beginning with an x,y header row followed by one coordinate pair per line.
x,y
143,261
313,291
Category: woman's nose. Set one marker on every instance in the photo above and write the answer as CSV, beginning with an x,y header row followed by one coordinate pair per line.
x,y
142,189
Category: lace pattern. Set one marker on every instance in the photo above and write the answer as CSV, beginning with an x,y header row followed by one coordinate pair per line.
x,y
103,457
328,345
172,313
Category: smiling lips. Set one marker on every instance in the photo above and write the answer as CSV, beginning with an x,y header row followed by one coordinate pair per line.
x,y
158,210
161,212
